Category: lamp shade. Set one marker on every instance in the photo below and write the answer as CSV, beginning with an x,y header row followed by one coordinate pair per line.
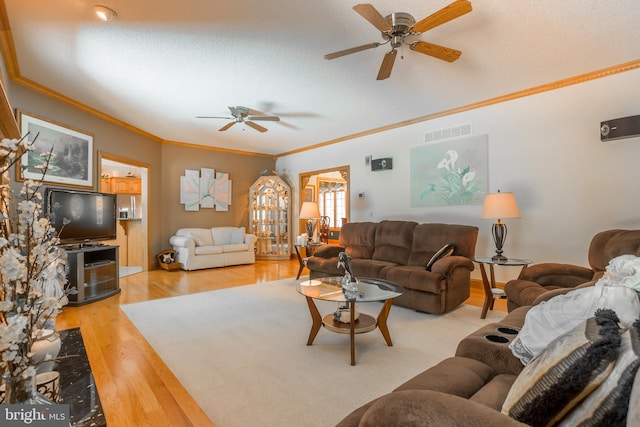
x,y
500,205
309,210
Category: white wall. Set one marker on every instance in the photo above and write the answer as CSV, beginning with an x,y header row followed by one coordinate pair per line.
x,y
545,148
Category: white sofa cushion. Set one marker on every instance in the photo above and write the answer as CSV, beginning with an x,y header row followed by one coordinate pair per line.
x,y
235,247
209,250
227,235
201,236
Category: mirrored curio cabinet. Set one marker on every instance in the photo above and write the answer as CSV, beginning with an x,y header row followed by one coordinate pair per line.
x,y
270,214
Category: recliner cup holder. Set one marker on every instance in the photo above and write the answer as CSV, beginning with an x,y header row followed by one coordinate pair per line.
x,y
509,331
497,339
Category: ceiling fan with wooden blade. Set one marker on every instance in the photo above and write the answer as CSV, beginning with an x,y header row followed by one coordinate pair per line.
x,y
244,115
401,28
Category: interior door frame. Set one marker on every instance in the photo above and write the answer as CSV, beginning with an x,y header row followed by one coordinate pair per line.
x,y
120,159
304,178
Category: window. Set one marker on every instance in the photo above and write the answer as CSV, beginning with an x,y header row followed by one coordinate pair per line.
x,y
332,201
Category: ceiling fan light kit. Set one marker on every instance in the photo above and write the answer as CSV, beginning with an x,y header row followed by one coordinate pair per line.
x,y
104,13
399,28
244,115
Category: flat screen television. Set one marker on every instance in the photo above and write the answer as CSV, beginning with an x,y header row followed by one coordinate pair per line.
x,y
91,216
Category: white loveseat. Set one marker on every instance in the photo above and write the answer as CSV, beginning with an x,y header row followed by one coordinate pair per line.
x,y
198,248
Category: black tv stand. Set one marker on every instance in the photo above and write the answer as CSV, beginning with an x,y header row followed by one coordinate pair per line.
x,y
94,272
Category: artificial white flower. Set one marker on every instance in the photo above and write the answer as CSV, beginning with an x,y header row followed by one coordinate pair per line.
x,y
32,266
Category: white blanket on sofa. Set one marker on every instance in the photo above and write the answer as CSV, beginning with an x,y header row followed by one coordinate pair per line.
x,y
550,319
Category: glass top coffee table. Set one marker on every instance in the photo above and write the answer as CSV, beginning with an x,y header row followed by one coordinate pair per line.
x,y
369,290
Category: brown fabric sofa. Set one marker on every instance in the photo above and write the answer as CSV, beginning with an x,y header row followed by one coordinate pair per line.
x,y
471,388
467,389
541,282
399,251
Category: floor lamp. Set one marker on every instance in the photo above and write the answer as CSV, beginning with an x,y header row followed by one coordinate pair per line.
x,y
497,206
311,213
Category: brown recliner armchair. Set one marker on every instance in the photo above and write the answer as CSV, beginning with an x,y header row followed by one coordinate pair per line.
x,y
541,282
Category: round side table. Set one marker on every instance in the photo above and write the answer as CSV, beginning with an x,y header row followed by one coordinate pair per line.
x,y
491,292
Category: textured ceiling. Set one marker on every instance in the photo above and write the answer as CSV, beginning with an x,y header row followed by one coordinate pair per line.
x,y
164,62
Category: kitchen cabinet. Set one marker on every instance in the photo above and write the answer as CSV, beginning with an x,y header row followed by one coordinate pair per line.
x,y
125,185
121,185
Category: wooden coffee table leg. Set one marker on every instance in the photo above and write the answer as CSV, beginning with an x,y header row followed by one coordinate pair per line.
x,y
316,320
382,321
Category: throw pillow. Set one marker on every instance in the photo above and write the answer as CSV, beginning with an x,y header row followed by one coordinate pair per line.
x,y
570,368
222,235
445,251
609,403
201,236
237,235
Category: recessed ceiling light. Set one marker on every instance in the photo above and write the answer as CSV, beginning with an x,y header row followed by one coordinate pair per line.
x,y
104,13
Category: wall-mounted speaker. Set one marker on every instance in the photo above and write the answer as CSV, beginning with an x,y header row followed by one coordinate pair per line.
x,y
626,127
382,164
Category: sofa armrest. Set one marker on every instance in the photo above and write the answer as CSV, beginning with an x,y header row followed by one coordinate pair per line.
x,y
328,251
560,291
447,264
413,408
182,242
564,275
250,240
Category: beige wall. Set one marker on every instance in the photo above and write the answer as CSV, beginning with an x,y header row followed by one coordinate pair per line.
x,y
243,170
166,162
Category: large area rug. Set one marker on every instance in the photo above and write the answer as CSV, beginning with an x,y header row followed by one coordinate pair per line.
x,y
242,353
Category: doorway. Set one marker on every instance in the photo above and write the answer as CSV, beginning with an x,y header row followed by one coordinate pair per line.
x,y
329,188
128,179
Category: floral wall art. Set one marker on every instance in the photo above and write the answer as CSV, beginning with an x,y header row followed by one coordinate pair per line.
x,y
205,188
190,191
450,173
222,199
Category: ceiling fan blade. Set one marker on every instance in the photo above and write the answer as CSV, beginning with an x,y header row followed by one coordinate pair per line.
x,y
349,51
446,14
227,126
264,118
437,51
253,112
371,14
387,65
214,117
256,126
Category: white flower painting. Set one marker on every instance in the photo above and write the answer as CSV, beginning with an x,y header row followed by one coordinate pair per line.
x,y
450,173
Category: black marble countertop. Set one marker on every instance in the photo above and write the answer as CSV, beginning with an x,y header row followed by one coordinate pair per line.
x,y
77,386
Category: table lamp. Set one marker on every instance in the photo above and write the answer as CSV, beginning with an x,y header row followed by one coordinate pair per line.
x,y
311,213
500,205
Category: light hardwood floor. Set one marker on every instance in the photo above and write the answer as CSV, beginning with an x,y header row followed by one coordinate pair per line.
x,y
135,386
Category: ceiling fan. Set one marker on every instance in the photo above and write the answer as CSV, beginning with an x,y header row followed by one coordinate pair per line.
x,y
244,115
400,28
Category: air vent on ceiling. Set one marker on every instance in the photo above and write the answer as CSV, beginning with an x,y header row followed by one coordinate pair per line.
x,y
452,132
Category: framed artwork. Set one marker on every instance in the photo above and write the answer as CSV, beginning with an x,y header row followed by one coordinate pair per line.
x,y
450,173
71,153
207,188
222,192
190,193
309,193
